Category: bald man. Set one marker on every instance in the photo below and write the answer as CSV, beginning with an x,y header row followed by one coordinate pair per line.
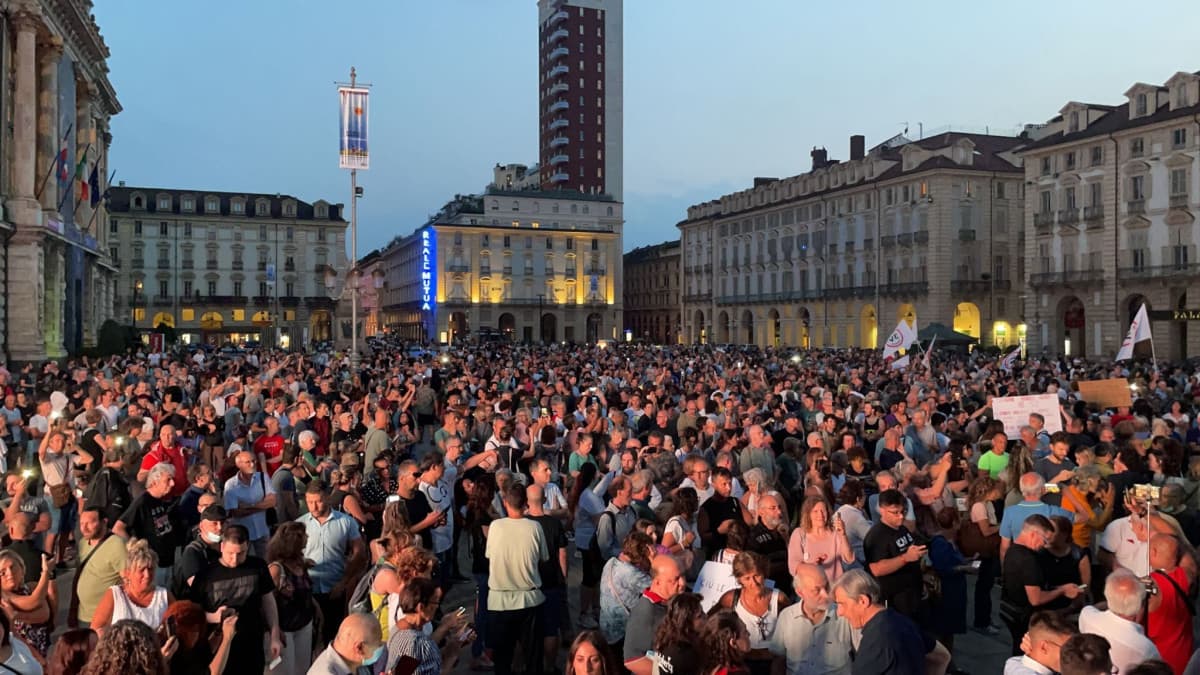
x,y
810,635
1169,621
666,581
359,643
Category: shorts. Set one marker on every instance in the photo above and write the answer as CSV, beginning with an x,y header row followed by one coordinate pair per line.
x,y
62,520
552,613
593,566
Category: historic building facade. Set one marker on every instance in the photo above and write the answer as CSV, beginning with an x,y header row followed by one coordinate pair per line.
x,y
925,231
1111,203
227,267
651,293
526,266
57,276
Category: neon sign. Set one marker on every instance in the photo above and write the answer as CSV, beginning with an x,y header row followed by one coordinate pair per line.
x,y
428,273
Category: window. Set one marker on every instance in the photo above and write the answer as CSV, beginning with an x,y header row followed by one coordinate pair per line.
x,y
237,288
212,288
528,242
484,240
1074,124
289,264
188,204
1097,155
1140,105
1137,187
237,207
570,244
137,228
289,233
262,232
1179,137
213,206
164,204
162,229
262,289
1179,182
1046,201
114,255
1070,160
507,241
1135,147
1000,190
596,245
187,289
1179,256
1094,194
112,225
289,289
1070,195
321,234
289,209
1045,166
187,230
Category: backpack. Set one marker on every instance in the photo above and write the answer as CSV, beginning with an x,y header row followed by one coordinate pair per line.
x,y
360,599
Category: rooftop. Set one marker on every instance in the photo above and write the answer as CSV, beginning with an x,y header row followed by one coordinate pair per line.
x,y
120,198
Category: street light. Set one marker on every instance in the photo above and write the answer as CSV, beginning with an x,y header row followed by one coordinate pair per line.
x,y
541,319
137,288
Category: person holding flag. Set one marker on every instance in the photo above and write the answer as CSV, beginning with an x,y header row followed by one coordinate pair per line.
x,y
1010,359
1139,330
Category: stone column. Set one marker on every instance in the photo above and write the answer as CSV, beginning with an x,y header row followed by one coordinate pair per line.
x,y
56,297
49,138
24,132
85,137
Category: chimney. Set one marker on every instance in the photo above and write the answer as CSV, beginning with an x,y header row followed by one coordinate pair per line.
x,y
858,147
819,158
760,181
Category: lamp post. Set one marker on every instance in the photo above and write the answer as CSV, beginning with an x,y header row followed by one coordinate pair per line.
x,y
137,288
541,319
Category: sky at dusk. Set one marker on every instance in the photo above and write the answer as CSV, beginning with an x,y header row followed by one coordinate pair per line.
x,y
240,96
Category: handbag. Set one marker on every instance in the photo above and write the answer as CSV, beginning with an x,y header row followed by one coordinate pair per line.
x,y
972,541
272,515
60,494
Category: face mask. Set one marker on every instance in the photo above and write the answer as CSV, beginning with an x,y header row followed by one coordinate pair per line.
x,y
212,537
370,660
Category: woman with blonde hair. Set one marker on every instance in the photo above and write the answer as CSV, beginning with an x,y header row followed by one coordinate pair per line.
x,y
129,647
136,597
399,563
27,610
819,540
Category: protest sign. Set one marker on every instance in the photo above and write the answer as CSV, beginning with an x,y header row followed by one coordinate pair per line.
x,y
1110,393
1014,412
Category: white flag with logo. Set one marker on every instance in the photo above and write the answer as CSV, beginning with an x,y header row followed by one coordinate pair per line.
x,y
900,363
1010,359
928,350
901,338
1139,330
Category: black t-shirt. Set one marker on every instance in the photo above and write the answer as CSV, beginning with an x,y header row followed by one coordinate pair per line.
x,y
31,556
1021,568
778,438
683,657
241,588
1061,570
418,509
891,645
719,509
195,558
902,588
157,521
479,561
556,539
109,492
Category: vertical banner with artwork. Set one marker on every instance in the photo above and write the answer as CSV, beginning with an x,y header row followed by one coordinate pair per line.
x,y
352,128
429,281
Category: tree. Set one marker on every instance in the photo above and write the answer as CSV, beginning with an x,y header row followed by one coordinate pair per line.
x,y
170,337
115,338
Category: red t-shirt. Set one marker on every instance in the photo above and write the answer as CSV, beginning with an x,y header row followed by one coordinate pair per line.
x,y
1170,626
173,456
270,447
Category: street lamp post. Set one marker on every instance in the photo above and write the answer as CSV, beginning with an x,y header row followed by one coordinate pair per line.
x,y
137,288
541,319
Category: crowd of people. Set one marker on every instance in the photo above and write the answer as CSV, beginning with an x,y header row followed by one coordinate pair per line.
x,y
295,513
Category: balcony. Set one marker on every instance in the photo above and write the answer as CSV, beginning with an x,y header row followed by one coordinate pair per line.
x,y
262,265
458,267
558,70
507,271
238,265
138,263
1091,213
558,105
905,290
1135,207
1043,219
596,271
210,264
559,52
558,159
319,302
1075,278
1178,201
559,141
966,234
557,35
187,264
222,299
1068,216
1182,270
560,15
263,300
921,236
970,286
559,88
905,239
289,267
697,298
289,300
559,177
162,300
559,123
886,241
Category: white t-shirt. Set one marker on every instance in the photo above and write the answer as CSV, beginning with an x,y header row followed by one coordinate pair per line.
x,y
554,498
1119,539
704,494
677,527
1128,644
22,660
441,498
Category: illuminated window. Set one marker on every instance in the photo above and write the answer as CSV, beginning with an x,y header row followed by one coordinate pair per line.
x,y
188,314
239,315
289,315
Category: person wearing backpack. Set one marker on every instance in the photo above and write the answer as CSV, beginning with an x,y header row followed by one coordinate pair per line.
x,y
109,490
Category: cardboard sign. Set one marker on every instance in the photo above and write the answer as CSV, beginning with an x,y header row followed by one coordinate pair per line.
x,y
1110,393
1014,411
714,580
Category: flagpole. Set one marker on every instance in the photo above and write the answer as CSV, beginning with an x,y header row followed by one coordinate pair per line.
x,y
72,190
54,164
96,211
354,253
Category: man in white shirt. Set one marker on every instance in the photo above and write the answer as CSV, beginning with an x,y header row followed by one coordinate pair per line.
x,y
810,635
1048,630
248,497
1126,543
440,496
1121,624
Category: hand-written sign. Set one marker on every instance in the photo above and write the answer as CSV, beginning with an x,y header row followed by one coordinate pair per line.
x,y
714,580
1110,393
1014,412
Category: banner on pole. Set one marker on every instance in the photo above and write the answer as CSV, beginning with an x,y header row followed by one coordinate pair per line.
x,y
1110,393
1014,411
352,141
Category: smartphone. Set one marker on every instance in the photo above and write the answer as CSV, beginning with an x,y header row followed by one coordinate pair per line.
x,y
393,498
407,665
1083,587
975,564
27,474
275,664
171,627
460,611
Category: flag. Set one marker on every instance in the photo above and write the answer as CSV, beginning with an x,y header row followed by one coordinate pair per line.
x,y
352,150
81,176
1139,330
1010,359
900,363
901,338
94,185
63,175
929,350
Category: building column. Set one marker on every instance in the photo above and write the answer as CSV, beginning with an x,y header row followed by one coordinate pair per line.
x,y
54,298
85,137
90,301
24,210
49,140
27,300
